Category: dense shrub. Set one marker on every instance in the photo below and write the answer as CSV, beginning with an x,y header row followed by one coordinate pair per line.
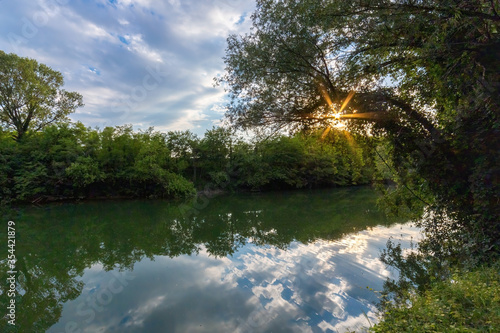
x,y
466,302
71,161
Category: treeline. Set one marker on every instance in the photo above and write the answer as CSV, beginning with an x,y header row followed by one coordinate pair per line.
x,y
71,161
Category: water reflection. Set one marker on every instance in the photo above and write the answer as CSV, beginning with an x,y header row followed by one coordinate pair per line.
x,y
273,262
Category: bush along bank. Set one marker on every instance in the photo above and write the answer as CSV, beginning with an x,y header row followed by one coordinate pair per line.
x,y
71,161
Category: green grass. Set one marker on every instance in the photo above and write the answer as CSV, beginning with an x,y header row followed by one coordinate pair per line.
x,y
468,302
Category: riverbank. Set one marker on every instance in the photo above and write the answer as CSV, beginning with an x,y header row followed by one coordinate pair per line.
x,y
468,301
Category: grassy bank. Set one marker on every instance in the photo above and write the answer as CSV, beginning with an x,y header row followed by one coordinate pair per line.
x,y
467,302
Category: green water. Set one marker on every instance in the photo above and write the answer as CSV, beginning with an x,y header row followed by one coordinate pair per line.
x,y
272,262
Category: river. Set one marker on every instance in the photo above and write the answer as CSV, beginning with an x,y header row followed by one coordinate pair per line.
x,y
300,261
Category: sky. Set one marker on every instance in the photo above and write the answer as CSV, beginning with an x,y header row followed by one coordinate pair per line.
x,y
140,62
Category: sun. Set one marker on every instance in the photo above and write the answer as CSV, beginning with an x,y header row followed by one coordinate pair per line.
x,y
336,116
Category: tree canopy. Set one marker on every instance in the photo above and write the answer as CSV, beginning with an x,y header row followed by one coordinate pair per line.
x,y
71,161
404,58
425,76
31,95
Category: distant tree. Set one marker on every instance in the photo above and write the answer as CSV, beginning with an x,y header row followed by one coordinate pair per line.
x,y
31,95
183,147
214,155
181,143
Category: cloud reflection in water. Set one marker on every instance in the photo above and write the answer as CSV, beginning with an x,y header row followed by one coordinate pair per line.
x,y
315,287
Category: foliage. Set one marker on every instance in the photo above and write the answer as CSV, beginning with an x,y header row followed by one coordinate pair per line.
x,y
303,161
84,171
31,95
182,146
466,302
213,154
426,80
71,161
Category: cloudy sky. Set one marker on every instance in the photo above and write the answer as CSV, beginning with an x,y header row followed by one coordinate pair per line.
x,y
141,62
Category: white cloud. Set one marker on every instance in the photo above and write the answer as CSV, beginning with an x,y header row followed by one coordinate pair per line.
x,y
135,43
94,97
123,22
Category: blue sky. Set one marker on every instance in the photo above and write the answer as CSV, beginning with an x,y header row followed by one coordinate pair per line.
x,y
140,62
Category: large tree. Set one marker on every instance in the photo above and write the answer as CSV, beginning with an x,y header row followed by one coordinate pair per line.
x,y
426,75
31,95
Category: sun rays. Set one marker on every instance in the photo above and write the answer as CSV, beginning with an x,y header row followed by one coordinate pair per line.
x,y
336,115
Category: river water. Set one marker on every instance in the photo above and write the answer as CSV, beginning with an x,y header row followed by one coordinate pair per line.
x,y
302,261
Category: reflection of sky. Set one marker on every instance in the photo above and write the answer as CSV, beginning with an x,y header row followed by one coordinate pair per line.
x,y
319,287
